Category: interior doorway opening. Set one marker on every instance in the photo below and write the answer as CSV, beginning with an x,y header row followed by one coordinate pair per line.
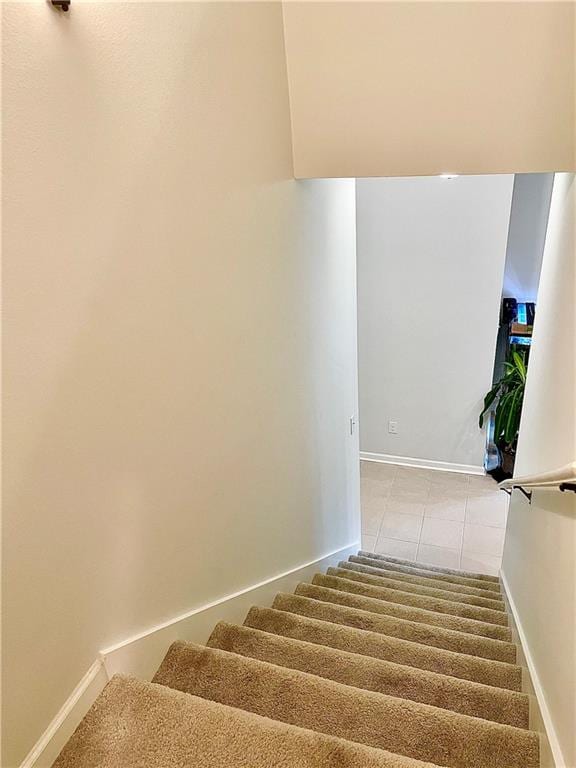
x,y
438,258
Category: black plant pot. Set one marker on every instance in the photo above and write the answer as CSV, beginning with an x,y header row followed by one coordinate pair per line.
x,y
506,459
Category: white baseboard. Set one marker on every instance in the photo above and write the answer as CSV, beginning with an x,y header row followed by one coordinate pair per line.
x,y
407,461
141,654
545,716
49,745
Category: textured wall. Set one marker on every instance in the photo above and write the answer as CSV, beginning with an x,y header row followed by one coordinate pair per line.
x,y
179,332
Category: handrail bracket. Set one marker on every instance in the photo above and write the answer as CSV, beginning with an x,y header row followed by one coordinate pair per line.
x,y
520,488
526,493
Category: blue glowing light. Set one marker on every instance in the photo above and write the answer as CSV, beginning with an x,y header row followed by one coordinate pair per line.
x,y
522,313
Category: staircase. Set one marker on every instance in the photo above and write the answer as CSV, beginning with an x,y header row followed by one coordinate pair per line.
x,y
379,663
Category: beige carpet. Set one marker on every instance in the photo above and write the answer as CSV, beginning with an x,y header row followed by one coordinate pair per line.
x,y
379,662
494,580
411,624
141,725
462,696
335,631
378,578
437,603
417,569
425,610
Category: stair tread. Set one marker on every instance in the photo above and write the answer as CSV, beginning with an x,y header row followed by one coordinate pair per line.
x,y
391,580
440,569
404,727
375,601
328,631
320,602
400,681
135,723
438,603
419,569
417,576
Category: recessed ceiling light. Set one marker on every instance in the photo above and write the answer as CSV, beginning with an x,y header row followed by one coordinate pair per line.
x,y
449,175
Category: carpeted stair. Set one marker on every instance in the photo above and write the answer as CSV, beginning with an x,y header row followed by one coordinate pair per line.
x,y
379,662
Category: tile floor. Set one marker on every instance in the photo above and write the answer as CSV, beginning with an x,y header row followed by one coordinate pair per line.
x,y
441,518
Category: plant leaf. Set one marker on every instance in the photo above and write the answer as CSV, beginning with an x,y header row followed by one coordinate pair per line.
x,y
509,392
520,365
500,417
488,400
510,430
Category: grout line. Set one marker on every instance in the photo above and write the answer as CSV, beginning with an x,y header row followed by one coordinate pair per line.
x,y
439,546
380,525
463,530
420,531
483,554
469,492
487,525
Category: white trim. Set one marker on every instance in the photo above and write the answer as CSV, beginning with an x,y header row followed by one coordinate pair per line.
x,y
408,461
49,745
141,654
537,685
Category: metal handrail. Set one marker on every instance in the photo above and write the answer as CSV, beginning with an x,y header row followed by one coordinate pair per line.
x,y
562,479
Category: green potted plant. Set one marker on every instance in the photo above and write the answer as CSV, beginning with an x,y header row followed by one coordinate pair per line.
x,y
508,394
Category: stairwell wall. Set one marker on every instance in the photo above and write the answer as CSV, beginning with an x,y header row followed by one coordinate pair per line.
x,y
415,89
527,235
431,258
179,339
538,562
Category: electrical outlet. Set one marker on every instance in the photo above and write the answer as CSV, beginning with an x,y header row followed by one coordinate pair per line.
x,y
393,427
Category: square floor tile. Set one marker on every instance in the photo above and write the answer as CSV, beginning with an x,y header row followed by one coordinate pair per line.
x,y
372,513
442,492
372,486
404,505
374,503
483,539
377,470
416,487
487,509
449,479
417,494
489,564
447,508
442,533
481,485
396,548
412,473
396,525
368,543
441,556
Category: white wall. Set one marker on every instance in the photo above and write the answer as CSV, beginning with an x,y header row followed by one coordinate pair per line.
x,y
527,235
413,89
540,545
179,341
547,437
430,264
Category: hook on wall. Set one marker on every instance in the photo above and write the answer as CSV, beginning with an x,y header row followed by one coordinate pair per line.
x,y
62,5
